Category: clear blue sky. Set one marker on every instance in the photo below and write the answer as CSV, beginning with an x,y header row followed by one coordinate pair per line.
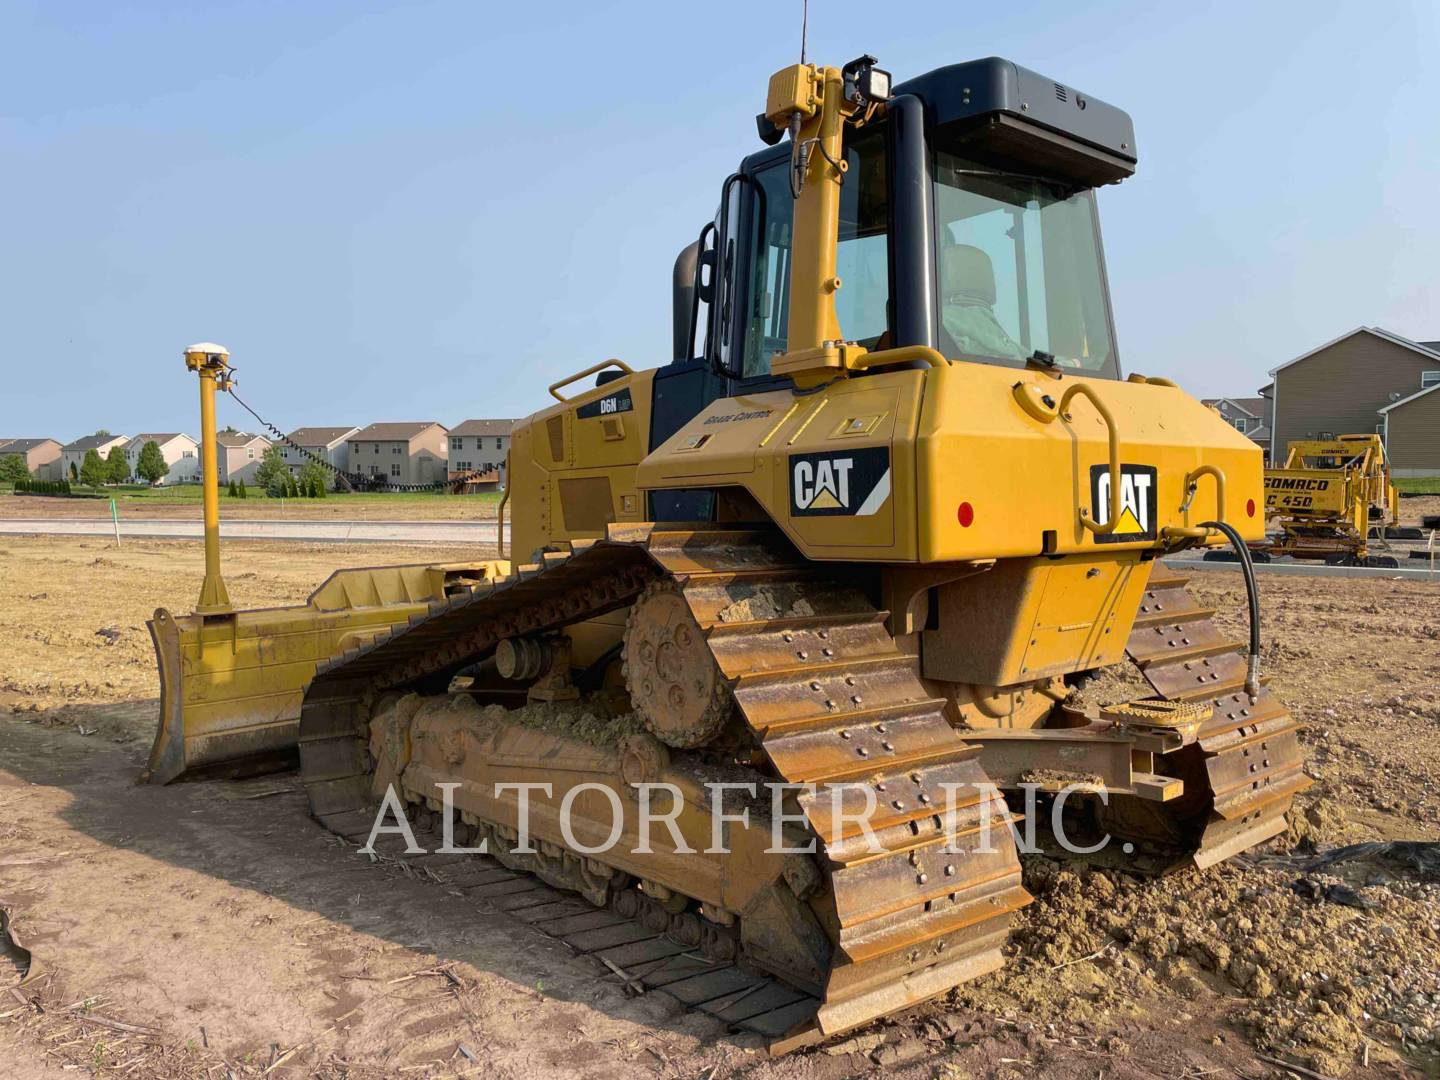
x,y
432,210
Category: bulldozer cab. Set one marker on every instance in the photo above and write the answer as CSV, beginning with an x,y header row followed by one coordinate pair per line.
x,y
949,224
967,224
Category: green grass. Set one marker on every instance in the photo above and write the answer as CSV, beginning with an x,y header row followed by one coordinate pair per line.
x,y
1418,485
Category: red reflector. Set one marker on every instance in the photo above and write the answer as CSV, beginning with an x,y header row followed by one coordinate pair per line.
x,y
965,515
1250,507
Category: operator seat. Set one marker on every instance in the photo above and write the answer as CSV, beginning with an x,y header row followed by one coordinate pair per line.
x,y
966,271
967,311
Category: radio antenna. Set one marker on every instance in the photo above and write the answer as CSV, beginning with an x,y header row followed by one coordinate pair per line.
x,y
804,26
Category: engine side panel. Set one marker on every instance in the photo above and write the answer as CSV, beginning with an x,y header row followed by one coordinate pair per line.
x,y
948,464
572,466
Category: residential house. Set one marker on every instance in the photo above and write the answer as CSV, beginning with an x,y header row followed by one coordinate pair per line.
x,y
1412,432
479,450
180,451
72,455
329,444
405,452
1340,387
240,455
1248,415
41,456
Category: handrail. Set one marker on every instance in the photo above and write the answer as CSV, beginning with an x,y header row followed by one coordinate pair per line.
x,y
500,512
1113,439
1192,483
591,370
900,355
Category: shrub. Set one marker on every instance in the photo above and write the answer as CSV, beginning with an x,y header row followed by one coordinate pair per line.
x,y
12,469
312,480
272,468
243,493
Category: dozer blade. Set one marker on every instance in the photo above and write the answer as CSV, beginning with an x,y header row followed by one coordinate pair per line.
x,y
231,684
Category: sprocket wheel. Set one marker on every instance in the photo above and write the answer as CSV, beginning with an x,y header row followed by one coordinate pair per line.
x,y
674,683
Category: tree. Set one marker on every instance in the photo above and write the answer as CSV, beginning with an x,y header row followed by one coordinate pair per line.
x,y
243,493
93,470
74,472
312,479
272,471
151,465
12,469
103,432
233,492
117,469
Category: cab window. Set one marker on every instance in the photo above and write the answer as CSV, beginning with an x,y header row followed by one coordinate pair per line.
x,y
1019,268
862,256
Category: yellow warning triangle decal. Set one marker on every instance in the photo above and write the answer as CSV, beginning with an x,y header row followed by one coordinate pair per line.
x,y
1128,523
824,501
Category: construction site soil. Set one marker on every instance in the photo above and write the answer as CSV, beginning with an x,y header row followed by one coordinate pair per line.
x,y
216,930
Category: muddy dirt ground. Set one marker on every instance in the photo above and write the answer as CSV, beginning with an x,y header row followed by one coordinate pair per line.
x,y
214,929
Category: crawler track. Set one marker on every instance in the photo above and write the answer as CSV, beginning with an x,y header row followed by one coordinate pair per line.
x,y
1246,767
829,699
637,941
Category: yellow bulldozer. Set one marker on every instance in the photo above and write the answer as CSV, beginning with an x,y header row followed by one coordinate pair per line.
x,y
1329,499
862,543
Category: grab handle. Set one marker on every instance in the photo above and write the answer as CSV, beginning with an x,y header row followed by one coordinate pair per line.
x,y
1113,439
901,355
1192,484
500,512
591,370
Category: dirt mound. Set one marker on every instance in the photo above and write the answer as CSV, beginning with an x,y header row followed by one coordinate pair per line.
x,y
1317,979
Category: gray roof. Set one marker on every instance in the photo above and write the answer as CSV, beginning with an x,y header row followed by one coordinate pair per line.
x,y
1255,406
239,438
94,442
22,446
320,436
483,427
160,438
399,431
1261,432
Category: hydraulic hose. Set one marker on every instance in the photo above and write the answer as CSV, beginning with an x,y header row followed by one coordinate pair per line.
x,y
1252,591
